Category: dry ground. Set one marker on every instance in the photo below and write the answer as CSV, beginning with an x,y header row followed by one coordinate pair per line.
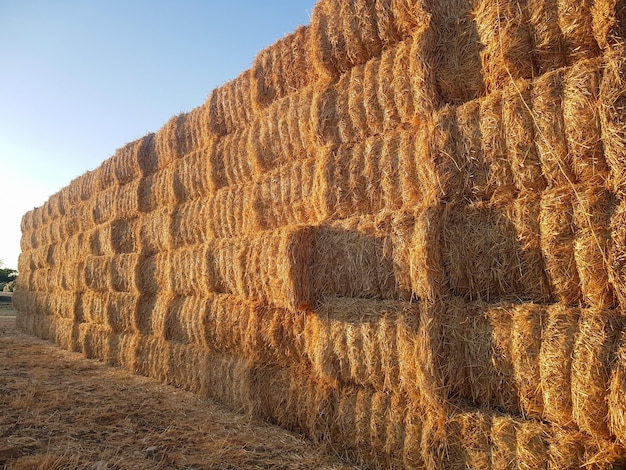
x,y
59,410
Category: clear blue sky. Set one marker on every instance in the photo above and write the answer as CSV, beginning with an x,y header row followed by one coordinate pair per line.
x,y
80,78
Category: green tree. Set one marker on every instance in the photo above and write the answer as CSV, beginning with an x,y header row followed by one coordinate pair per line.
x,y
7,275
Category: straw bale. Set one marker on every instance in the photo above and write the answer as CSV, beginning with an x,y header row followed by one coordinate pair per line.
x,y
276,334
189,273
191,175
548,51
93,339
282,68
528,320
152,274
125,235
104,209
127,201
576,24
566,449
148,160
558,232
617,254
156,191
226,323
468,438
98,273
230,161
594,351
592,215
151,357
229,106
189,222
286,280
330,113
93,307
400,80
224,267
100,240
120,350
373,109
612,102
173,140
55,206
505,30
520,137
491,250
286,196
151,312
357,101
363,342
582,122
185,320
153,233
230,213
604,454
504,440
385,90
66,334
609,23
617,391
27,222
547,109
123,269
477,363
101,178
125,164
557,346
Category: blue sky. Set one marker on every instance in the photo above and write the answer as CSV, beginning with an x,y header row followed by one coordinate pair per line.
x,y
78,79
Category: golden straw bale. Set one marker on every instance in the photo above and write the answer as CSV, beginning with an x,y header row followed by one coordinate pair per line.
x,y
330,113
153,273
548,51
93,307
592,216
154,231
189,273
373,110
229,160
121,351
28,220
386,90
226,323
189,222
582,122
156,191
609,23
557,346
151,312
121,308
490,250
364,342
229,106
286,280
100,240
98,273
102,178
125,235
612,101
528,320
185,364
123,269
477,362
282,68
93,339
127,200
66,334
617,391
125,164
357,101
285,196
170,142
617,253
148,160
400,80
547,109
191,175
185,319
520,137
505,30
230,213
567,449
224,270
557,243
603,454
504,442
468,436
151,357
576,24
594,350
104,209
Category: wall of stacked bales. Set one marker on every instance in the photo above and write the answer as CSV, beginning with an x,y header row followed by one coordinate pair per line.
x,y
401,233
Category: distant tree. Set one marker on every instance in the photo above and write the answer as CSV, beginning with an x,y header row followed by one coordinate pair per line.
x,y
7,275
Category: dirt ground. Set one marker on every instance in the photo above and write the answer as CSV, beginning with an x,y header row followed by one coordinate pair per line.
x,y
61,411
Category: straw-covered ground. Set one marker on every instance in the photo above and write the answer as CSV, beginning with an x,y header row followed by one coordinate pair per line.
x,y
61,411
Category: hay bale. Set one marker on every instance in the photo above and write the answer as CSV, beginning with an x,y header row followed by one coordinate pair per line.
x,y
150,357
506,32
123,269
93,339
124,163
230,106
189,222
189,273
285,196
594,351
592,215
582,122
330,113
558,231
374,111
567,449
385,85
120,351
121,311
364,342
357,101
229,160
125,235
97,274
576,24
547,109
468,435
609,21
191,175
100,240
93,307
148,160
548,50
185,320
617,254
151,312
401,80
185,364
557,346
156,191
285,281
230,213
154,231
490,250
520,137
612,101
617,391
153,273
282,68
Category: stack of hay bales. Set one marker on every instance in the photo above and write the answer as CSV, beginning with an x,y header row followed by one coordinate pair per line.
x,y
400,233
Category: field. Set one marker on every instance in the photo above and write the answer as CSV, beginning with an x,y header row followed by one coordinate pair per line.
x,y
60,411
